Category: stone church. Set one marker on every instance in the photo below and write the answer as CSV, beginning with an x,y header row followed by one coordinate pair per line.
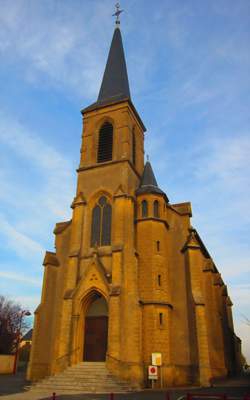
x,y
130,276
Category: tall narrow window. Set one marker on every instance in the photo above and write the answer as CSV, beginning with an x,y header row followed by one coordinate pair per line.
x,y
144,209
105,145
156,209
159,280
133,147
95,227
106,225
158,245
161,318
101,223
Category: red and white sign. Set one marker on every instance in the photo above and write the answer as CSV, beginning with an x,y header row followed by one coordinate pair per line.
x,y
152,372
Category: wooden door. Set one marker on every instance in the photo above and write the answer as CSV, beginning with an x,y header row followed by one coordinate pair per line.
x,y
95,341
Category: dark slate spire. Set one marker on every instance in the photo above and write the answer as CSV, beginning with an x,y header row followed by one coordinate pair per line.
x,y
148,182
115,84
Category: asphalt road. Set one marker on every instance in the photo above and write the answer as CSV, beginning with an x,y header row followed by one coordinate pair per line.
x,y
237,393
12,388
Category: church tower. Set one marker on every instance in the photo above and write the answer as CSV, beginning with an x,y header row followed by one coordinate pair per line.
x,y
129,276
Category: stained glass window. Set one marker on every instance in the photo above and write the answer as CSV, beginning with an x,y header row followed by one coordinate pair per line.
x,y
101,223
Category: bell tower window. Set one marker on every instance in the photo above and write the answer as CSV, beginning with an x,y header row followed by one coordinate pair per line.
x,y
101,223
156,209
105,144
144,209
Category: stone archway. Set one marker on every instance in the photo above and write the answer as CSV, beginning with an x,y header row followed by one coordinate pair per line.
x,y
96,329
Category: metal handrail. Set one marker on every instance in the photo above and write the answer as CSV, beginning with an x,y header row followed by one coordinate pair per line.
x,y
68,354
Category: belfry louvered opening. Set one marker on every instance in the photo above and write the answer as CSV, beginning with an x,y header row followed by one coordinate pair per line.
x,y
105,145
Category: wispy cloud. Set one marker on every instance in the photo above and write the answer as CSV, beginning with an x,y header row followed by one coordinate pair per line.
x,y
55,46
28,302
20,278
241,295
23,245
52,170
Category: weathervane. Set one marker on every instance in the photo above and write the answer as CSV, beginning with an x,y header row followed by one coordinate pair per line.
x,y
117,13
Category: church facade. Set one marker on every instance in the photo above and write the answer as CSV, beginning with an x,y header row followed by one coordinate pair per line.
x,y
129,276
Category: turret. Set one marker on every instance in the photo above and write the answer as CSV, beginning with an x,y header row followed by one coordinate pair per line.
x,y
152,244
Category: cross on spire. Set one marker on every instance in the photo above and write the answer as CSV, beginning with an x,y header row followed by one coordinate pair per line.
x,y
117,13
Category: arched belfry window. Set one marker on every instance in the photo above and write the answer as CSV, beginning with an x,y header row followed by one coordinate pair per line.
x,y
133,147
105,144
101,223
156,209
144,208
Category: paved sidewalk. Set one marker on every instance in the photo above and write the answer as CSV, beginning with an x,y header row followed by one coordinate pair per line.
x,y
12,383
241,381
12,388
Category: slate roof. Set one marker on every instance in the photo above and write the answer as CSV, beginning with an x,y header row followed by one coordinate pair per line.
x,y
115,84
115,79
148,182
28,335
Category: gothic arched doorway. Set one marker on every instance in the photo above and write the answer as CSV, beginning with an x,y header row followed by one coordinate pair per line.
x,y
96,330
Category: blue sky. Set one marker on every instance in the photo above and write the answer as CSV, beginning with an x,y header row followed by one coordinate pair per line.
x,y
188,64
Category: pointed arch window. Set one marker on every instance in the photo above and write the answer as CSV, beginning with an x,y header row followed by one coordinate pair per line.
x,y
101,223
105,144
144,208
156,209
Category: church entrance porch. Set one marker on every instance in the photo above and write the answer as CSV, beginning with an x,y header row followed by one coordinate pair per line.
x,y
96,330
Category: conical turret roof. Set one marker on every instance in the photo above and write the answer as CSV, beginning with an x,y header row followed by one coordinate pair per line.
x,y
148,182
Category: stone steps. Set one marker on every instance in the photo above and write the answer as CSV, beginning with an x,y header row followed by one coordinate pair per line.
x,y
85,377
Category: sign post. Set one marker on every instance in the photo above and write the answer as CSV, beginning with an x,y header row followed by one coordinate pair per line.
x,y
157,361
152,374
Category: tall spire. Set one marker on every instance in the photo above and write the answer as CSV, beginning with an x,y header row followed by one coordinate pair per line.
x,y
115,84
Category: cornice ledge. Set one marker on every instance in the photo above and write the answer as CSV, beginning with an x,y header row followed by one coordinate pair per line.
x,y
115,290
74,253
182,208
153,219
199,303
155,302
107,163
125,196
224,291
218,280
50,259
79,200
198,298
209,266
61,226
68,295
191,242
117,248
